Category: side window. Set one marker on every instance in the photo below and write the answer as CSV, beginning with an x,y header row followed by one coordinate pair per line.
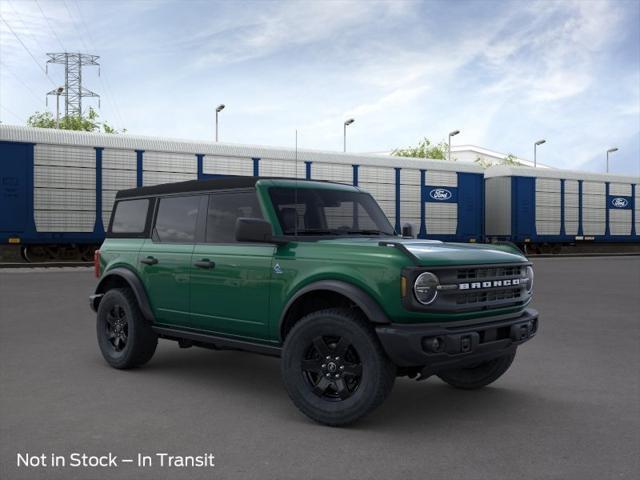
x,y
224,210
130,216
176,219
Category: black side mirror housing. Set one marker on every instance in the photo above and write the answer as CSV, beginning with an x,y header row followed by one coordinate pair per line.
x,y
407,230
254,230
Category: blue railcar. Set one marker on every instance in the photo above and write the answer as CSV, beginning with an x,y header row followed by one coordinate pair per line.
x,y
552,207
57,187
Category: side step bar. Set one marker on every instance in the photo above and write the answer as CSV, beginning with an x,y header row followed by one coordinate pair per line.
x,y
216,341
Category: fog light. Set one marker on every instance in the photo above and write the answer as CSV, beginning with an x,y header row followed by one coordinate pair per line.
x,y
433,344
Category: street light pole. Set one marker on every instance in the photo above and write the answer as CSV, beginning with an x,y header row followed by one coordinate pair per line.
x,y
452,134
219,108
59,91
611,150
344,133
535,152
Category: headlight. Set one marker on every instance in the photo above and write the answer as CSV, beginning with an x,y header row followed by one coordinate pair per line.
x,y
529,279
425,288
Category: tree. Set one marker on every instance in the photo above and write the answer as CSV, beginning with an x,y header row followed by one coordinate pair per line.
x,y
510,160
88,123
424,149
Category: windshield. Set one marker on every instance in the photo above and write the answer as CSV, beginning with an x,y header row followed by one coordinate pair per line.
x,y
310,211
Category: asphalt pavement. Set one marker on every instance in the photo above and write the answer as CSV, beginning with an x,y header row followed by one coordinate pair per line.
x,y
569,407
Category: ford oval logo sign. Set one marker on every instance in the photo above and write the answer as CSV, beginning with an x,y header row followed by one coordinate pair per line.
x,y
619,202
440,194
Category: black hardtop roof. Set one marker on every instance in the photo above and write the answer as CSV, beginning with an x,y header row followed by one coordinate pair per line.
x,y
200,186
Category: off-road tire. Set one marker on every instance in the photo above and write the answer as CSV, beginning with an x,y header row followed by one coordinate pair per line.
x,y
119,306
478,376
363,353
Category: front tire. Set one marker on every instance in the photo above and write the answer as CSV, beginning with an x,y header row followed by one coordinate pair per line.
x,y
126,340
334,368
478,376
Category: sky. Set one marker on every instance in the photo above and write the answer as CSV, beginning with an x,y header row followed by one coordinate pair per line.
x,y
504,73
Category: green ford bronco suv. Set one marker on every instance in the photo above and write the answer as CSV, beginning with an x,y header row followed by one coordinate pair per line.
x,y
312,272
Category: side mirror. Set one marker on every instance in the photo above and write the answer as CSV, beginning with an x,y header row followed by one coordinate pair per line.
x,y
407,230
253,230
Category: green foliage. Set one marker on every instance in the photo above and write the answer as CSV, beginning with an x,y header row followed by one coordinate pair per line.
x,y
510,160
483,162
88,123
424,149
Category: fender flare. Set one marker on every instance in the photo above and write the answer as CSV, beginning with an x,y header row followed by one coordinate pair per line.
x,y
134,282
363,300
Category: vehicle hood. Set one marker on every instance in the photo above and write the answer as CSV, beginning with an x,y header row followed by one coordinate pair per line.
x,y
430,252
434,252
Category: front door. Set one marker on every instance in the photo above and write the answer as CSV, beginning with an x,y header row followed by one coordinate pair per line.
x,y
165,259
229,280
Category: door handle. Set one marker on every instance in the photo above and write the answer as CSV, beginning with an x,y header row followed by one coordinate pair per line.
x,y
149,261
205,263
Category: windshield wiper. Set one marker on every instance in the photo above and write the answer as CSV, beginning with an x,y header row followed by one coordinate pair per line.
x,y
338,231
368,232
318,231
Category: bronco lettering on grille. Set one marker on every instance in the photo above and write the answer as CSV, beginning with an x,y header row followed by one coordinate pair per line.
x,y
490,284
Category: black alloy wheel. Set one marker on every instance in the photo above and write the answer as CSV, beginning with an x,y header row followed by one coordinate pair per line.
x,y
125,338
472,377
117,326
332,367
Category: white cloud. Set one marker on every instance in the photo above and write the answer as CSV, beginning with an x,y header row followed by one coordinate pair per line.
x,y
503,73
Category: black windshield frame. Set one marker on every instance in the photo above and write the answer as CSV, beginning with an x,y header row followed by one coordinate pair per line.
x,y
356,213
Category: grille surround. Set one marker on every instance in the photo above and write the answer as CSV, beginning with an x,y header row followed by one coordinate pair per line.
x,y
473,288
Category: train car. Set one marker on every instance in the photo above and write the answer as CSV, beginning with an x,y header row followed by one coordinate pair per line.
x,y
57,187
543,209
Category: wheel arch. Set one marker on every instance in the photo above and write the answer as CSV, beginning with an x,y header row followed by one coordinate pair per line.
x,y
121,277
340,292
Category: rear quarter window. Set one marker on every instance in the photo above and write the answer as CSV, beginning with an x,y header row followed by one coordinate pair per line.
x,y
130,216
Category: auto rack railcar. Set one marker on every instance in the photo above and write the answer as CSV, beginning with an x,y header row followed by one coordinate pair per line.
x,y
550,208
58,186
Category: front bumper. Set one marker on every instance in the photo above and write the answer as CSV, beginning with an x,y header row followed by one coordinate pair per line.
x,y
444,346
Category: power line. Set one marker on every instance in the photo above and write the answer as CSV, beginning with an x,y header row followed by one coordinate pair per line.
x,y
75,27
10,112
24,25
20,81
106,84
50,27
28,51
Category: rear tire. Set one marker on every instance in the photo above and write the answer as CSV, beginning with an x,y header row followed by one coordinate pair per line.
x,y
334,368
478,376
126,340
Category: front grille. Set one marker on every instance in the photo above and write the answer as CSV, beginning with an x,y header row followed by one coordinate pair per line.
x,y
480,288
492,272
490,296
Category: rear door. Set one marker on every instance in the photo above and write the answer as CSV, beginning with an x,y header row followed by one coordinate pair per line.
x,y
165,259
230,280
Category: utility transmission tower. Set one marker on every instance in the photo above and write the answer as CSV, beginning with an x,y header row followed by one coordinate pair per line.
x,y
74,92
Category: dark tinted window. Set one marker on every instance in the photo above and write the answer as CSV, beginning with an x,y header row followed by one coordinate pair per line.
x,y
130,216
311,211
176,219
224,210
